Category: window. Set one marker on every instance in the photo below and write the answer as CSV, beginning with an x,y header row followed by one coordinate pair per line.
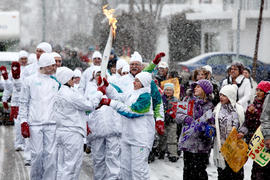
x,y
219,60
245,60
210,42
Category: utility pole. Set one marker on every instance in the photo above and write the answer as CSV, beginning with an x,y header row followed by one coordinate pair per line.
x,y
43,20
254,65
238,29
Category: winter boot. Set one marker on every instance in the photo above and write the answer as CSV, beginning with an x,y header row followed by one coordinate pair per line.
x,y
151,157
173,158
161,155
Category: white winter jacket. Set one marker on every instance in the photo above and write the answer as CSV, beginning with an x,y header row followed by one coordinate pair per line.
x,y
115,79
105,121
126,83
244,90
69,107
138,128
30,70
13,88
36,98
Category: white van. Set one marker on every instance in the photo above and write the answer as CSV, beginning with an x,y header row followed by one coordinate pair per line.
x,y
6,58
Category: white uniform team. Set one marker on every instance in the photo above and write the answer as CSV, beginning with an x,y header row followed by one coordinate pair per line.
x,y
56,117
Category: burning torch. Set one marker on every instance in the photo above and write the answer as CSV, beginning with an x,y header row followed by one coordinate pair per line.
x,y
112,34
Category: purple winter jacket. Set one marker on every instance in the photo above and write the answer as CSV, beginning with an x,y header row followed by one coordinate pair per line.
x,y
193,138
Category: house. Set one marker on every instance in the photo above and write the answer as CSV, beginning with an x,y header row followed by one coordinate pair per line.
x,y
218,24
219,28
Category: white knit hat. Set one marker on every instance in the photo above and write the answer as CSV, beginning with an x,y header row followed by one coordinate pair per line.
x,y
64,74
120,64
207,68
145,78
125,68
32,58
56,55
46,47
23,53
77,73
163,64
135,57
230,91
96,54
46,59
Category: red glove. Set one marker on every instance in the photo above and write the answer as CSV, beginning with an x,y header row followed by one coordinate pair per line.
x,y
158,58
14,110
16,70
25,130
104,86
4,72
5,105
99,81
105,101
160,127
88,129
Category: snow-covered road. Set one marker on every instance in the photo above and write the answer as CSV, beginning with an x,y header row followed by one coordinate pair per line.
x,y
12,166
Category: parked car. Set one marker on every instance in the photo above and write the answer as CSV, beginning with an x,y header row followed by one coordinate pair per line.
x,y
219,61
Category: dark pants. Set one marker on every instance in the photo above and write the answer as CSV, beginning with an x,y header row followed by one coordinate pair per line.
x,y
260,173
228,173
195,166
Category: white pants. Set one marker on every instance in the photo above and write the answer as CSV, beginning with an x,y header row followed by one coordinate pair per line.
x,y
27,150
134,162
43,152
106,158
70,155
19,140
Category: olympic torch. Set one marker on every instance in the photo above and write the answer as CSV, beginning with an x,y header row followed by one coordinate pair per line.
x,y
108,47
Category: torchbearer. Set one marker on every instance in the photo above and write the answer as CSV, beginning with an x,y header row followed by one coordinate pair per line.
x,y
69,107
37,93
138,128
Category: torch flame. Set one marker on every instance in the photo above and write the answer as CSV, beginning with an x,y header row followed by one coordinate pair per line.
x,y
111,18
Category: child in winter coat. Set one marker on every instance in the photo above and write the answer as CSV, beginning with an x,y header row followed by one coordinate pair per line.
x,y
138,128
252,122
195,112
169,139
228,114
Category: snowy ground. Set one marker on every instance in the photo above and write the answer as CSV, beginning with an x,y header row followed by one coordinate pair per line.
x,y
164,170
12,167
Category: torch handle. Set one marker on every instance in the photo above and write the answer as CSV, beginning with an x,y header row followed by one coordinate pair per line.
x,y
106,54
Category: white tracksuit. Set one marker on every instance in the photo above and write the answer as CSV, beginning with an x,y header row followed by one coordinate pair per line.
x,y
13,89
28,70
86,77
69,107
37,93
105,124
138,131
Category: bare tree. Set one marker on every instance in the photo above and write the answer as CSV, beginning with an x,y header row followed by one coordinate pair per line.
x,y
155,7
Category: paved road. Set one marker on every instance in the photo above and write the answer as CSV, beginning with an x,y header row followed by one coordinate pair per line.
x,y
12,164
